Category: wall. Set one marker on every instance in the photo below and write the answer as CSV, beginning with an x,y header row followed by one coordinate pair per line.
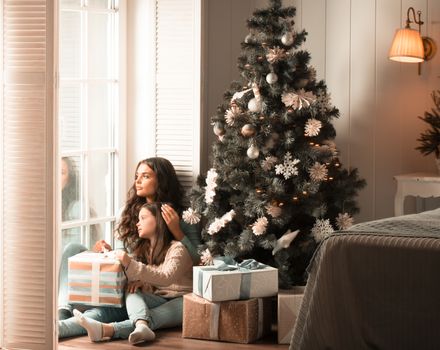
x,y
379,100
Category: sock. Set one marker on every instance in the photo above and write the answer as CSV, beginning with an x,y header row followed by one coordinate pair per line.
x,y
141,333
93,327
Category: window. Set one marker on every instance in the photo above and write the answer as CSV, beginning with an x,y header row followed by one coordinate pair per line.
x,y
89,115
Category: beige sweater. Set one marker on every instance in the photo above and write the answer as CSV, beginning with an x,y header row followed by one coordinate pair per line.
x,y
170,279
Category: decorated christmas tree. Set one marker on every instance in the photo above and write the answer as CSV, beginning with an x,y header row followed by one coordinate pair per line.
x,y
276,187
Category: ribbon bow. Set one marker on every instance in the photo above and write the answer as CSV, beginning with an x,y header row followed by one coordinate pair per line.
x,y
226,263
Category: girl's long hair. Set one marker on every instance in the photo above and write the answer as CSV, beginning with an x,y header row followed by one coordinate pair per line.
x,y
169,190
142,246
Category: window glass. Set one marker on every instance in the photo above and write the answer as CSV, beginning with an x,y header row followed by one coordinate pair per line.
x,y
100,185
99,118
98,45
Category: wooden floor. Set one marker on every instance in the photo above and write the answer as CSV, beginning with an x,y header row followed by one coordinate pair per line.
x,y
170,339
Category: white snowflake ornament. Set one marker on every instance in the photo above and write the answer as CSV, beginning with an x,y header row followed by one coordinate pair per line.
x,y
268,163
321,229
190,216
288,168
344,221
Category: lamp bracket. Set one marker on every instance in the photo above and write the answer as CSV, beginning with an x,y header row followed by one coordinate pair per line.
x,y
416,21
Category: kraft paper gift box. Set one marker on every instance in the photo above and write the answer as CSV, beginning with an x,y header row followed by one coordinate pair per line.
x,y
289,302
216,284
241,321
96,279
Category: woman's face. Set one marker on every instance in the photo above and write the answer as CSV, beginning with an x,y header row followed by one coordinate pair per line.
x,y
147,224
64,174
146,182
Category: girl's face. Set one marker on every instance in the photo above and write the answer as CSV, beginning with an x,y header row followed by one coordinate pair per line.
x,y
147,224
146,182
64,174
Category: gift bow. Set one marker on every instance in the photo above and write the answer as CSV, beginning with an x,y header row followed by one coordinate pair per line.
x,y
226,263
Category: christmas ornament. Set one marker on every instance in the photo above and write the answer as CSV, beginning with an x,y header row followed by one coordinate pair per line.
x,y
274,210
275,55
238,94
298,100
288,168
248,130
287,39
211,178
259,226
321,229
219,223
249,38
318,172
268,163
271,78
231,114
344,221
312,127
256,91
190,216
253,152
206,258
219,130
254,105
285,240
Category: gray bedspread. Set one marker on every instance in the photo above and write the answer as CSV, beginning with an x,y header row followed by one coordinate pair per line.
x,y
376,286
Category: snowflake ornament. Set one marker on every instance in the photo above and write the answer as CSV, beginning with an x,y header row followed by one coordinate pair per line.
x,y
232,114
211,178
190,216
288,168
259,226
268,163
206,258
321,229
276,54
344,221
298,100
318,172
312,127
322,103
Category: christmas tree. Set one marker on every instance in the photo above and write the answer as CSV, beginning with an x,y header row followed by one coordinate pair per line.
x,y
276,187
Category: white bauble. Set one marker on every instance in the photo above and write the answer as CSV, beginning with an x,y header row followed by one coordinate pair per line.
x,y
271,78
248,130
254,105
287,39
218,129
253,152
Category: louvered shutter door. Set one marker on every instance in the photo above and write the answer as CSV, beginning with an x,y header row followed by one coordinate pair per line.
x,y
27,171
177,86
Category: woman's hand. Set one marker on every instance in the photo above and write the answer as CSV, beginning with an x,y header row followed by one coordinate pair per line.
x,y
123,257
133,286
173,221
101,246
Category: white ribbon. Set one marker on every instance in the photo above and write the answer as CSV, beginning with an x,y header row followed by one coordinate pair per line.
x,y
95,281
215,316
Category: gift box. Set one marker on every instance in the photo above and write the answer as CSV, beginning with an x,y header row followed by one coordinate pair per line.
x,y
96,279
289,302
235,282
242,321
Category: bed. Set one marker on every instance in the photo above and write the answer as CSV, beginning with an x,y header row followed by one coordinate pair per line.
x,y
375,286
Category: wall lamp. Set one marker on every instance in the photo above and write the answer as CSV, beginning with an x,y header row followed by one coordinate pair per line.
x,y
409,46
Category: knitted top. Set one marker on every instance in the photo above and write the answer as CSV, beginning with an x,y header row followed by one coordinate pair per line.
x,y
170,279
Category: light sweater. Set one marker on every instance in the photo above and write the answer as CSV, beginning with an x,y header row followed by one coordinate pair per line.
x,y
170,279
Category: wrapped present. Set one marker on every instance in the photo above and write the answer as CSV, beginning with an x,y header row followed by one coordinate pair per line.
x,y
96,279
242,321
289,302
232,281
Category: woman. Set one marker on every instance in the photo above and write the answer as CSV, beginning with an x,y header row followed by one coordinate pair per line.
x,y
155,180
159,274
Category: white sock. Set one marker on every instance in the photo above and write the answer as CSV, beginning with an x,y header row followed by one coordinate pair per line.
x,y
141,333
93,327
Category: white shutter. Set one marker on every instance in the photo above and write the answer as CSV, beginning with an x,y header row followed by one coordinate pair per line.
x,y
178,86
27,173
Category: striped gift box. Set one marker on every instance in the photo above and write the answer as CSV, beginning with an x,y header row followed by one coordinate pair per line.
x,y
96,279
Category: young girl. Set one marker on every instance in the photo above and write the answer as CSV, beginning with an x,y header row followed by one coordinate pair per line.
x,y
159,274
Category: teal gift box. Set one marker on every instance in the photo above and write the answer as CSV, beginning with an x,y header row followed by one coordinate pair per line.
x,y
227,280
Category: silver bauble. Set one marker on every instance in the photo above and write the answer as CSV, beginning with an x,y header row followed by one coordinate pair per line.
x,y
248,130
253,152
254,105
218,129
271,78
287,39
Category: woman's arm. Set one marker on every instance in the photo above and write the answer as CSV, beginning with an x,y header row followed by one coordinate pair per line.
x,y
189,235
177,262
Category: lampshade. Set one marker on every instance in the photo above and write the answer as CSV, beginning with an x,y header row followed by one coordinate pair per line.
x,y
407,46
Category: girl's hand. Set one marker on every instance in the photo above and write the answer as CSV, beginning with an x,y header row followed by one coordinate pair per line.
x,y
101,246
172,220
123,257
133,286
